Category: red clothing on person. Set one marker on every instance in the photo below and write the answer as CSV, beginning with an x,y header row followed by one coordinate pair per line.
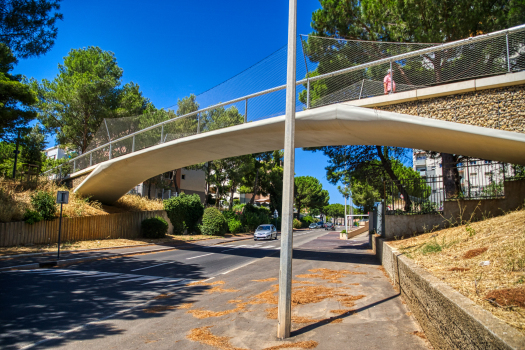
x,y
388,83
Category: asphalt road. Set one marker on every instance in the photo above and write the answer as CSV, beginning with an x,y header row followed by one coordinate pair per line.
x,y
40,305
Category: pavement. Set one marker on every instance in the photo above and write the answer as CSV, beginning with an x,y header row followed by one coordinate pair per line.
x,y
142,301
26,260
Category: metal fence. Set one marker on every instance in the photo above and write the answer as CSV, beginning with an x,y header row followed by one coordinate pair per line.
x,y
472,179
334,70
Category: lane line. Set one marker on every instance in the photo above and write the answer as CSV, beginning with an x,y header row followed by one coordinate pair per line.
x,y
238,267
200,256
149,267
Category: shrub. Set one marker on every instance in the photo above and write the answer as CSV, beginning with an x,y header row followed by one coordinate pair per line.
x,y
297,223
32,216
184,212
276,222
235,225
45,204
154,227
213,222
343,231
252,220
229,215
309,219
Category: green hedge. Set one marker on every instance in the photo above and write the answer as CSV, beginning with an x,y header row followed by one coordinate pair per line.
x,y
155,227
45,204
297,223
184,212
213,222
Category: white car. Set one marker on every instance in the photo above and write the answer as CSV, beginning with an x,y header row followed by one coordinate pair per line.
x,y
265,232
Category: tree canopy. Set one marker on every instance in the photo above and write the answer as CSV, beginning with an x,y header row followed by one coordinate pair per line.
x,y
15,97
28,27
309,193
85,92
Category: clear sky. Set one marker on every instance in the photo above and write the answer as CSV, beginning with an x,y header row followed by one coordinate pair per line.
x,y
174,48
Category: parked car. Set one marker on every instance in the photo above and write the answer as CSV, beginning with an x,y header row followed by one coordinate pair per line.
x,y
320,224
329,226
265,232
312,226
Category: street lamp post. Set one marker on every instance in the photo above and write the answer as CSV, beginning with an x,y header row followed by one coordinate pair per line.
x,y
284,315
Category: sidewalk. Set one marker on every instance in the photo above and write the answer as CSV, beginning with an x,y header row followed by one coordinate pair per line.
x,y
30,261
341,299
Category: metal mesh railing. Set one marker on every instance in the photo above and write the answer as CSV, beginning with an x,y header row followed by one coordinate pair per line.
x,y
334,70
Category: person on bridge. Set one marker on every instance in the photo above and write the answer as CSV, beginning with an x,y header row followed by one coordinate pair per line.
x,y
388,82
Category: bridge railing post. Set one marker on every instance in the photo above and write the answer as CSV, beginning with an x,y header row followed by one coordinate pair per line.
x,y
110,149
246,111
198,123
308,93
133,145
74,165
162,134
508,52
90,159
361,91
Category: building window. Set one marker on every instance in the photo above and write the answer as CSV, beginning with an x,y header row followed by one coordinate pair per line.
x,y
183,177
487,162
473,162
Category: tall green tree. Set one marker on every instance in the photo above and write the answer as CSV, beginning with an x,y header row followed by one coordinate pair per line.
x,y
309,193
28,27
15,97
85,92
33,146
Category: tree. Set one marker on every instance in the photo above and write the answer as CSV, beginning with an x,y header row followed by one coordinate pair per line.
x,y
335,210
85,92
15,97
33,146
309,193
421,21
28,27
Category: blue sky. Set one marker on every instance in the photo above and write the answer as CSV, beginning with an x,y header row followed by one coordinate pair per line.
x,y
174,48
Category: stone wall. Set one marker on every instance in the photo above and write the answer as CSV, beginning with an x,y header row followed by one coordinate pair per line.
x,y
500,108
449,319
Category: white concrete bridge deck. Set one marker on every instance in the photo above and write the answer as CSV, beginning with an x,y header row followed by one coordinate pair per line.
x,y
339,124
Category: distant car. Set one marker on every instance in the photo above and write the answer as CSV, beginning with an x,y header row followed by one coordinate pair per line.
x,y
265,232
320,224
312,226
329,226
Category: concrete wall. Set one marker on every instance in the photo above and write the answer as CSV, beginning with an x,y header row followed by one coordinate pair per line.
x,y
456,212
477,209
449,319
405,225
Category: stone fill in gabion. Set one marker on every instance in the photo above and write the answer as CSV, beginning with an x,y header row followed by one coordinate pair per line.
x,y
500,108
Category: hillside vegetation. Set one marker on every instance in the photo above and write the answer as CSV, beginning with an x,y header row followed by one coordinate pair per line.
x,y
485,261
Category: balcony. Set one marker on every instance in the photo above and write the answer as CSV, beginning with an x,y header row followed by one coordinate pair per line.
x,y
420,162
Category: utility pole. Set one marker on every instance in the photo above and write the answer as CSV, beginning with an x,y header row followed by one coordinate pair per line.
x,y
284,315
16,154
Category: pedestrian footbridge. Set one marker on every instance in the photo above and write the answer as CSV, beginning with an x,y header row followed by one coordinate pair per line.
x,y
338,124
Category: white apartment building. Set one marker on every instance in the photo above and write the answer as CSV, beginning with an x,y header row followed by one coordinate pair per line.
x,y
476,174
55,152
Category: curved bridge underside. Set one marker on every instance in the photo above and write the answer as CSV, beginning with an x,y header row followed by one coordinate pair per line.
x,y
339,124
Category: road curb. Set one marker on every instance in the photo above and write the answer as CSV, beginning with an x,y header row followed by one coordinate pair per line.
x,y
62,263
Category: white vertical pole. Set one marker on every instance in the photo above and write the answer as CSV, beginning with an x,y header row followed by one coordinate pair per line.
x,y
285,274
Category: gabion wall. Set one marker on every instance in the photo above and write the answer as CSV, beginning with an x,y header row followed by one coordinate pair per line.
x,y
500,108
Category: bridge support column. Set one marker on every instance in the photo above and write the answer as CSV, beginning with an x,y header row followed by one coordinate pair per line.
x,y
285,272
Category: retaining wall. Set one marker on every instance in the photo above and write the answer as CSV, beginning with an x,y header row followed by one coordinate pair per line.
x,y
449,319
124,225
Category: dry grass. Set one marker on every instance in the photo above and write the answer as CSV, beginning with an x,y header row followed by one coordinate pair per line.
x,y
199,283
308,344
266,280
500,241
203,335
130,202
155,309
201,313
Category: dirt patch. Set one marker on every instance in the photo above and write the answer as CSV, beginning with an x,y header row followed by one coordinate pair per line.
x,y
349,300
205,283
474,252
221,290
460,269
266,280
419,334
200,313
508,296
203,335
309,344
155,309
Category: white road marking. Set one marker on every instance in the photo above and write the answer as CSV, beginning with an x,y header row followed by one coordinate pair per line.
x,y
149,267
200,256
238,267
